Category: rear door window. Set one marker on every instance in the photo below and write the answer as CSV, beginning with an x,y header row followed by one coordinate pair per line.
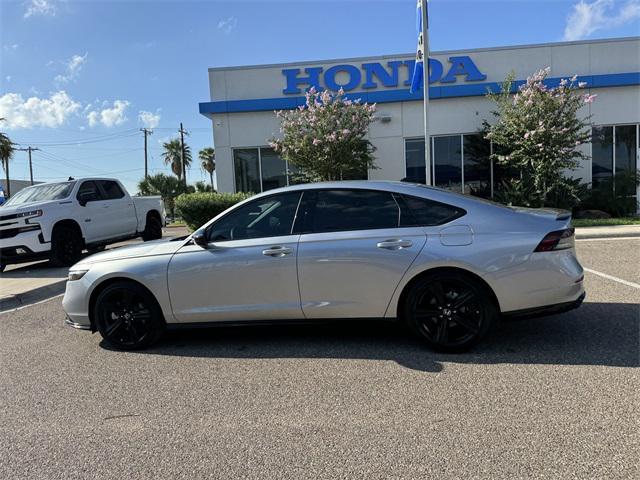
x,y
344,210
111,189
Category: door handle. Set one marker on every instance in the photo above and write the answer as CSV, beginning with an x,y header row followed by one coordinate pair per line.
x,y
395,244
277,251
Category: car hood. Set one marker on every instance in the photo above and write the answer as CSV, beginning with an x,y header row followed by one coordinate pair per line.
x,y
146,249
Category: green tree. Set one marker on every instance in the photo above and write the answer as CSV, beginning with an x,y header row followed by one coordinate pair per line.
x,y
202,187
207,158
538,134
6,154
326,138
172,156
166,186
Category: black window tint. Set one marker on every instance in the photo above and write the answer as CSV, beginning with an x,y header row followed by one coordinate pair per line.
x,y
111,189
88,192
420,212
265,217
342,210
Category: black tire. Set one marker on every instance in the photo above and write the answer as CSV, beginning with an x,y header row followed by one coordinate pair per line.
x,y
152,230
98,249
450,312
66,246
127,316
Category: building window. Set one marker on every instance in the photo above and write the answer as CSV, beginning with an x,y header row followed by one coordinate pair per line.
x,y
447,162
247,170
414,156
460,163
614,148
259,169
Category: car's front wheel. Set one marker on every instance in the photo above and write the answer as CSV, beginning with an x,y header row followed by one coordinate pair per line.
x,y
128,316
450,311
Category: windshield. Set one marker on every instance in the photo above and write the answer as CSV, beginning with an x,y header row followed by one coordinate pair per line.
x,y
41,193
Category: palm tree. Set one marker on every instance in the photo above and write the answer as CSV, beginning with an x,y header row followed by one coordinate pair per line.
x,y
202,187
166,186
6,153
207,161
172,155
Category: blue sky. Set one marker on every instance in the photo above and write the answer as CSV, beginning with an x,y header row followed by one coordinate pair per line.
x,y
89,74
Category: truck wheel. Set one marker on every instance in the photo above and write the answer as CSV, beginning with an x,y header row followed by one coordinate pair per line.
x,y
152,230
66,246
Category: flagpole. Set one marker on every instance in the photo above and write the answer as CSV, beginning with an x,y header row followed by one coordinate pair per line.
x,y
425,88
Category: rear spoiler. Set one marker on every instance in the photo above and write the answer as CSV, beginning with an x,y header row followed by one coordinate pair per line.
x,y
550,213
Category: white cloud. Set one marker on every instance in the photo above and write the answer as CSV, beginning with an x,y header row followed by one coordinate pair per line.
x,y
10,47
8,78
149,119
37,112
40,7
588,17
73,67
227,25
109,117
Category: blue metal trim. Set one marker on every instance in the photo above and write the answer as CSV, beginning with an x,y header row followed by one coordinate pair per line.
x,y
403,95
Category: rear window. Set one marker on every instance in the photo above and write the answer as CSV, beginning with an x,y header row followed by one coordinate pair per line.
x,y
420,212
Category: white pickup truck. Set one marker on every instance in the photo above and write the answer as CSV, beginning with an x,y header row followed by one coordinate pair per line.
x,y
59,220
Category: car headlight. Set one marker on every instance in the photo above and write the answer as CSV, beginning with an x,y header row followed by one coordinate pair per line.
x,y
77,274
31,213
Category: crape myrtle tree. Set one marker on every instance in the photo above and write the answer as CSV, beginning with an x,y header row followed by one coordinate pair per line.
x,y
538,134
325,139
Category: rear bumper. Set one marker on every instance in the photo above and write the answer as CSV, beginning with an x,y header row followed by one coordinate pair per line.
x,y
546,310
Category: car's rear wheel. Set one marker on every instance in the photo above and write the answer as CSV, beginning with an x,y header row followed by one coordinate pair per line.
x,y
66,246
450,311
128,316
152,230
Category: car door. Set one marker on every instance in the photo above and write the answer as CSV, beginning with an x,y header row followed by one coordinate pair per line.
x,y
352,253
93,214
120,218
247,271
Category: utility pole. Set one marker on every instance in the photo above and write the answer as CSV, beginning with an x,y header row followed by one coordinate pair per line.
x,y
29,149
146,132
184,167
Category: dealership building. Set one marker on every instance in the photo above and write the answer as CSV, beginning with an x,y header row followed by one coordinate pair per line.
x,y
244,101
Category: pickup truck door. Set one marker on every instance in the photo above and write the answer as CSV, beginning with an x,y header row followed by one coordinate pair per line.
x,y
120,219
92,214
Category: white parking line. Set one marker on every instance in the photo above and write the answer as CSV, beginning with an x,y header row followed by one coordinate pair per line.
x,y
615,279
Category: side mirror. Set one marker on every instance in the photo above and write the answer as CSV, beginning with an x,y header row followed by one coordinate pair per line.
x,y
83,198
200,239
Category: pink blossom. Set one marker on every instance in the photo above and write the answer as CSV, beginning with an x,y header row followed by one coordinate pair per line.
x,y
346,131
574,78
590,98
526,135
582,84
316,141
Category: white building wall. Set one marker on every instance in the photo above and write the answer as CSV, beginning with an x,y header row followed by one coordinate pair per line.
x,y
614,105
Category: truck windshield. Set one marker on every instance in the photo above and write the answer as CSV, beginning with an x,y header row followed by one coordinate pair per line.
x,y
41,193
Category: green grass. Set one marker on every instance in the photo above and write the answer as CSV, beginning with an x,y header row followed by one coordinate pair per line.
x,y
603,222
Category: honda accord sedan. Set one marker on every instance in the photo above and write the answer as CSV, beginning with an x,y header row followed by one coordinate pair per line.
x,y
447,265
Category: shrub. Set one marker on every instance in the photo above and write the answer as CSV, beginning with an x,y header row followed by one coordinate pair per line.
x,y
615,195
196,209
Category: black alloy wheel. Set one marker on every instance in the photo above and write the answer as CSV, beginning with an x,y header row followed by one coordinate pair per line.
x,y
450,312
128,316
66,246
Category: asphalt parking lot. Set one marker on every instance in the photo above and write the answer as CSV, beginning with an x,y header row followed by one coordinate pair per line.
x,y
555,397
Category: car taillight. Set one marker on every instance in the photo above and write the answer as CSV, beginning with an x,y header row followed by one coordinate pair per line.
x,y
558,240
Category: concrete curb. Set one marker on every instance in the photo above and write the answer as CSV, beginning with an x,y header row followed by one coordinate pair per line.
x,y
615,231
11,302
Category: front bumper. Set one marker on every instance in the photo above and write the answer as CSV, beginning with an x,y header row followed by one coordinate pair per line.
x,y
75,303
23,247
73,324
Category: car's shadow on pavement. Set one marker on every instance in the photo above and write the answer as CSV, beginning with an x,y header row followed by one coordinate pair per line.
x,y
605,334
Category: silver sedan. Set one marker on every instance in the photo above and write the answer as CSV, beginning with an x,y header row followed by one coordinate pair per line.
x,y
447,265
